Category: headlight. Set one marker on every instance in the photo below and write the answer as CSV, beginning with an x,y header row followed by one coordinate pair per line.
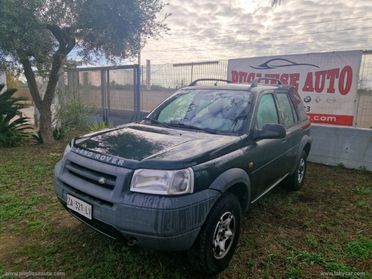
x,y
163,182
67,150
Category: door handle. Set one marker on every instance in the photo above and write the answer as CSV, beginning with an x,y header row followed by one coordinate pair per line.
x,y
284,140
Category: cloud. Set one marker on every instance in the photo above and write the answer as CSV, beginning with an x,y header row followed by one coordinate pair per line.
x,y
205,29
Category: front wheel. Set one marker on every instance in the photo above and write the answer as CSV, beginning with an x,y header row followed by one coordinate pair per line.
x,y
296,180
218,237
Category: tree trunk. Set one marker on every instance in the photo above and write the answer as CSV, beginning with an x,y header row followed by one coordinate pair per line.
x,y
46,130
66,44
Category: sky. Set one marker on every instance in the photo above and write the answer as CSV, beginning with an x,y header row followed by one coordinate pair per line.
x,y
202,30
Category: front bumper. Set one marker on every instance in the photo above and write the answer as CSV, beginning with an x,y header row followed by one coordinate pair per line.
x,y
158,222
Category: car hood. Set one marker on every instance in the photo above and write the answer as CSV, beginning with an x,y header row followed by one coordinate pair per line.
x,y
143,145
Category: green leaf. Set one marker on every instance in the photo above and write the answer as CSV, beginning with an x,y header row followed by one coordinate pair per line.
x,y
12,129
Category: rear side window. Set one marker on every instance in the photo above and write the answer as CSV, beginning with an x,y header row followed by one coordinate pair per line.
x,y
299,106
266,112
285,109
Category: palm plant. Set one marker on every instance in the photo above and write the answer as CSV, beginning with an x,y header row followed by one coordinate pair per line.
x,y
13,126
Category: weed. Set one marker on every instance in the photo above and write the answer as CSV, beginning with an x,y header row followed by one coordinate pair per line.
x,y
362,190
341,166
311,239
337,267
310,258
362,204
360,248
293,273
250,263
268,266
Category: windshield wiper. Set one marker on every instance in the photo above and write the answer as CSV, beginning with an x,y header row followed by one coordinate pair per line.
x,y
178,125
186,126
157,122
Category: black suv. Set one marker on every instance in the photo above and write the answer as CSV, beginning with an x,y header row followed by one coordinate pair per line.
x,y
181,178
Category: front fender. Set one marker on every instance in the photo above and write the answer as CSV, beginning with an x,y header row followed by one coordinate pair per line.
x,y
232,177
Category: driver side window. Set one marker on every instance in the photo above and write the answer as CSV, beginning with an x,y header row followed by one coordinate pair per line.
x,y
176,110
266,112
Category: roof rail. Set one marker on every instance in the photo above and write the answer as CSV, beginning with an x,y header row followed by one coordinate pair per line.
x,y
256,81
209,79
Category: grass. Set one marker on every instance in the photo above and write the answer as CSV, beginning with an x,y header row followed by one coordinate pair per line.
x,y
325,227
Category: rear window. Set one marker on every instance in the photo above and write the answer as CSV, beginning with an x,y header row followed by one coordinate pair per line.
x,y
285,109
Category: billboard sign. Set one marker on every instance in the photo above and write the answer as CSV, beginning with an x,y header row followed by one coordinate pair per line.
x,y
327,82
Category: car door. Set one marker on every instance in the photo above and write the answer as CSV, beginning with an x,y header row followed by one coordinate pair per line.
x,y
266,154
289,119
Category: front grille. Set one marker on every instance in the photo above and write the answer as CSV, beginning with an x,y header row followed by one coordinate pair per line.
x,y
92,176
75,191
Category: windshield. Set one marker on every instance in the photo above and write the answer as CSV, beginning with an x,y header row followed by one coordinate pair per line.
x,y
208,110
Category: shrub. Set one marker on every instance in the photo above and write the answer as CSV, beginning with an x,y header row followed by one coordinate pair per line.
x,y
13,126
96,126
37,137
70,114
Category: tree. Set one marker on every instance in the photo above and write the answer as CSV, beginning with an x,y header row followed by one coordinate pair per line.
x,y
37,35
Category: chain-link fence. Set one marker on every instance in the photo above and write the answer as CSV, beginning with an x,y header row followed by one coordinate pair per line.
x,y
126,93
364,101
158,82
112,93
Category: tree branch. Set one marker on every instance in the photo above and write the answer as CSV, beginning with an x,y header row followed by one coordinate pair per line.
x,y
58,58
66,44
66,41
57,33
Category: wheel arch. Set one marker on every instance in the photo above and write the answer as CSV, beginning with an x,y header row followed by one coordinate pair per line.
x,y
307,148
237,182
305,145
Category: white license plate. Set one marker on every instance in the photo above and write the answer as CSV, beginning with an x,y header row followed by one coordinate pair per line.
x,y
79,206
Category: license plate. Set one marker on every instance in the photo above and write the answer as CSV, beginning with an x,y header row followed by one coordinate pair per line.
x,y
79,206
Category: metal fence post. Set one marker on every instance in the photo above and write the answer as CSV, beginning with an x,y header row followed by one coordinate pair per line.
x,y
108,97
192,72
137,89
70,82
77,87
104,95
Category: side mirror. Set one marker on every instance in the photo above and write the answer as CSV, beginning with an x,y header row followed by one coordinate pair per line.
x,y
270,131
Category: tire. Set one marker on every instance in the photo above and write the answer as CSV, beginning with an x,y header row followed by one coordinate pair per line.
x,y
222,227
296,180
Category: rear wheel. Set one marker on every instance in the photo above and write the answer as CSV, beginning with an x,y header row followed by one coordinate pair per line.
x,y
296,180
218,237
